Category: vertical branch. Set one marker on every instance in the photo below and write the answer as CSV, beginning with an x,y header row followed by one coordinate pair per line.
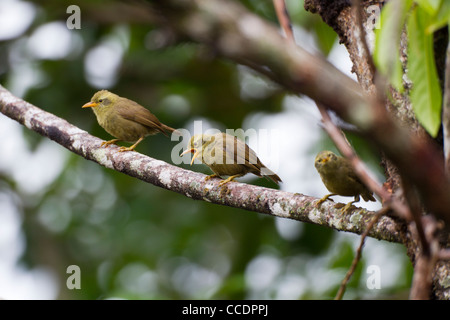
x,y
421,287
356,4
283,18
446,114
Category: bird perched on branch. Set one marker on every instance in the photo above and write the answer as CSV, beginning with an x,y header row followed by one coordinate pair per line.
x,y
339,178
226,155
124,119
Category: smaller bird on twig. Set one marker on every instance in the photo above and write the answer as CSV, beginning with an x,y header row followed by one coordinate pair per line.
x,y
339,178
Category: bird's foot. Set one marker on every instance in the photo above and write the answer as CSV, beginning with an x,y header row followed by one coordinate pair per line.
x,y
325,198
124,149
131,148
230,178
211,176
347,207
224,182
107,143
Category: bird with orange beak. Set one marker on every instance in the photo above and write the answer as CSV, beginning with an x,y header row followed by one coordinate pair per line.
x,y
339,178
226,155
124,119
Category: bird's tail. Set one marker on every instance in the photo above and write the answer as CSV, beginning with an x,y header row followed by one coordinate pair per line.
x,y
267,173
170,129
368,197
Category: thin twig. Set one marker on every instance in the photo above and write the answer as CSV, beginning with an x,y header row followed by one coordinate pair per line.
x,y
444,254
357,257
412,199
446,114
284,19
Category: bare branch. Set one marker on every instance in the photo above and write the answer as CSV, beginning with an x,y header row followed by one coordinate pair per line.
x,y
426,260
421,284
444,254
191,184
283,18
355,261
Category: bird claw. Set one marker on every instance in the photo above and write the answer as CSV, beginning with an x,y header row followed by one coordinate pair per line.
x,y
123,149
211,176
107,143
347,207
224,182
229,179
323,199
221,183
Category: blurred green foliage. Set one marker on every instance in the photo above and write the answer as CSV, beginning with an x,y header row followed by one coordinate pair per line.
x,y
134,240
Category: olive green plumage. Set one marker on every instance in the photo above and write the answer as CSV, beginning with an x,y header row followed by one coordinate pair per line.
x,y
339,178
227,156
124,119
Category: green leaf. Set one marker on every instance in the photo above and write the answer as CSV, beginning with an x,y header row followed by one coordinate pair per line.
x,y
326,37
441,18
426,95
431,6
386,54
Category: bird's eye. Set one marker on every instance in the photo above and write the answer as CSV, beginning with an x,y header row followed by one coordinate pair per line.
x,y
100,100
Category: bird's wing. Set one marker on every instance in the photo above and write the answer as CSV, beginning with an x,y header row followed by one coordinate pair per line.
x,y
133,111
348,168
365,192
240,152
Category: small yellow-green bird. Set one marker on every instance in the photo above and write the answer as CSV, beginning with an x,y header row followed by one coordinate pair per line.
x,y
339,178
124,119
226,155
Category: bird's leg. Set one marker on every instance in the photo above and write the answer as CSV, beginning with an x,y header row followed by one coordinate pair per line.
x,y
212,176
131,148
230,178
349,205
323,199
107,143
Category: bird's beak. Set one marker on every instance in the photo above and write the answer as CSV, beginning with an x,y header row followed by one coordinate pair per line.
x,y
325,159
90,105
192,150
